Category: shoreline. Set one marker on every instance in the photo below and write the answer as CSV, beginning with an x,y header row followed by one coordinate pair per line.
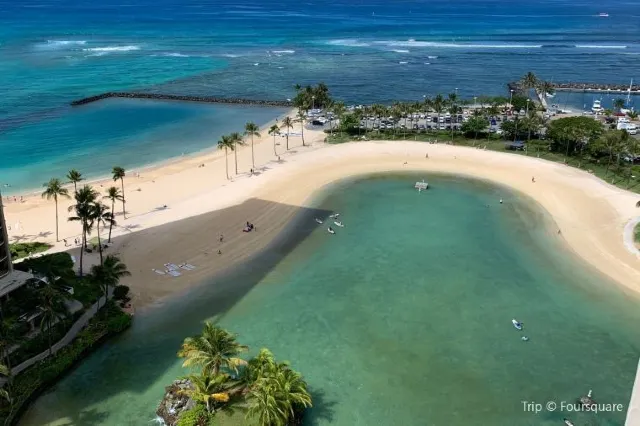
x,y
590,213
149,167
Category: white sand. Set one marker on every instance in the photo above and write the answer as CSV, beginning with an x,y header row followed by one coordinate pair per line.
x,y
590,213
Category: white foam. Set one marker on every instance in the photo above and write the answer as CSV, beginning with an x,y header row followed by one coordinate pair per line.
x,y
348,43
400,50
432,57
414,43
600,46
60,44
176,55
281,52
109,49
230,55
403,62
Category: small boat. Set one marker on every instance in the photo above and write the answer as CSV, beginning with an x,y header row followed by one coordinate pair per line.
x,y
331,231
334,216
525,339
318,220
338,223
568,422
516,324
603,15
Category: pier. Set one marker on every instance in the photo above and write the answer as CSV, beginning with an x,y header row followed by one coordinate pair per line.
x,y
585,87
184,98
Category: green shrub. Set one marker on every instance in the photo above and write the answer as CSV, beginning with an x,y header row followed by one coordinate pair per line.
x,y
120,292
61,260
197,416
20,250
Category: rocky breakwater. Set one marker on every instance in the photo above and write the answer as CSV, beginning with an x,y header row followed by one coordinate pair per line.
x,y
616,88
174,402
184,98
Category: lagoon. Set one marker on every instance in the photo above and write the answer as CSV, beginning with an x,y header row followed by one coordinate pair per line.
x,y
403,317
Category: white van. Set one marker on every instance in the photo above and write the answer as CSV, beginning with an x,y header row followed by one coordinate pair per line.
x,y
632,129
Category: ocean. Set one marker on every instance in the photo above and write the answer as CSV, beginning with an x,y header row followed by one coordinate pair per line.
x,y
401,318
53,52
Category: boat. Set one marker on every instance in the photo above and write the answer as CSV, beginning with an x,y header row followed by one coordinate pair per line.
x,y
318,220
525,339
568,422
335,215
597,106
603,15
516,324
549,95
331,231
338,223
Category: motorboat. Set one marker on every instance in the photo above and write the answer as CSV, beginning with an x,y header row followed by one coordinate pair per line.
x,y
568,422
525,339
331,231
318,220
603,15
335,215
338,223
517,324
597,106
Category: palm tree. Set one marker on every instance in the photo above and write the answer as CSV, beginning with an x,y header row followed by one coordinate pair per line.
x,y
226,143
278,394
51,306
212,350
301,117
237,140
85,198
274,130
288,123
119,173
74,177
251,129
108,273
618,104
211,389
54,190
100,214
529,81
114,195
546,87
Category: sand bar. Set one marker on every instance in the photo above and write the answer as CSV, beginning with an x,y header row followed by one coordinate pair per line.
x,y
202,205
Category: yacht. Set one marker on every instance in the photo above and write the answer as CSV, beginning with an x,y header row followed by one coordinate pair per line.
x,y
603,15
597,107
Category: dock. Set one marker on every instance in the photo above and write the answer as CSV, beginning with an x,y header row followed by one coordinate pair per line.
x,y
421,186
184,98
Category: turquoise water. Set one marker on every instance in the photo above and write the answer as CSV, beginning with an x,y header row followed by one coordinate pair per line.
x,y
402,318
117,132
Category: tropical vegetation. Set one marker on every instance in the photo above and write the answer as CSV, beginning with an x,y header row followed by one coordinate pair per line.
x,y
20,250
54,189
270,393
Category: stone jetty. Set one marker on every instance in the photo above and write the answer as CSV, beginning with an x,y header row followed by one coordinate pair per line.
x,y
187,98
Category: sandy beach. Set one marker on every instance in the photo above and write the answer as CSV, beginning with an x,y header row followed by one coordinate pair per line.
x,y
202,205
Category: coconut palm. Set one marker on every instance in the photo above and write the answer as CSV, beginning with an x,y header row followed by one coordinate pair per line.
x,y
100,214
274,130
251,129
287,122
529,81
84,198
54,189
74,177
212,350
227,144
237,140
51,307
300,118
618,104
114,195
546,87
278,394
257,367
109,273
211,390
119,173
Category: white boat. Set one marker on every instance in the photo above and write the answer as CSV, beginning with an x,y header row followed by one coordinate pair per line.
x,y
568,422
549,95
338,223
603,15
335,215
318,220
331,231
516,324
525,339
597,106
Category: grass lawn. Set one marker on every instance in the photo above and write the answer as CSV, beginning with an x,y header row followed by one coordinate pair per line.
x,y
20,250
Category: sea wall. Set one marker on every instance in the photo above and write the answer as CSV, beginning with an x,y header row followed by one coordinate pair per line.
x,y
187,98
582,87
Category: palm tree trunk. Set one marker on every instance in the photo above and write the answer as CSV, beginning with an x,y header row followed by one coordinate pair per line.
x,y
302,132
287,139
253,161
75,187
99,241
274,145
235,155
82,248
111,223
226,161
56,200
124,213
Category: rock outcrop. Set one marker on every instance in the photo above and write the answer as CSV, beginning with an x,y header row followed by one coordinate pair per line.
x,y
174,402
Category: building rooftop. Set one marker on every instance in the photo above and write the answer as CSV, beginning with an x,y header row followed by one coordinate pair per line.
x,y
14,280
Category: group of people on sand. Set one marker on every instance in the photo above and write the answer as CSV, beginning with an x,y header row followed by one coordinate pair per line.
x,y
250,227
